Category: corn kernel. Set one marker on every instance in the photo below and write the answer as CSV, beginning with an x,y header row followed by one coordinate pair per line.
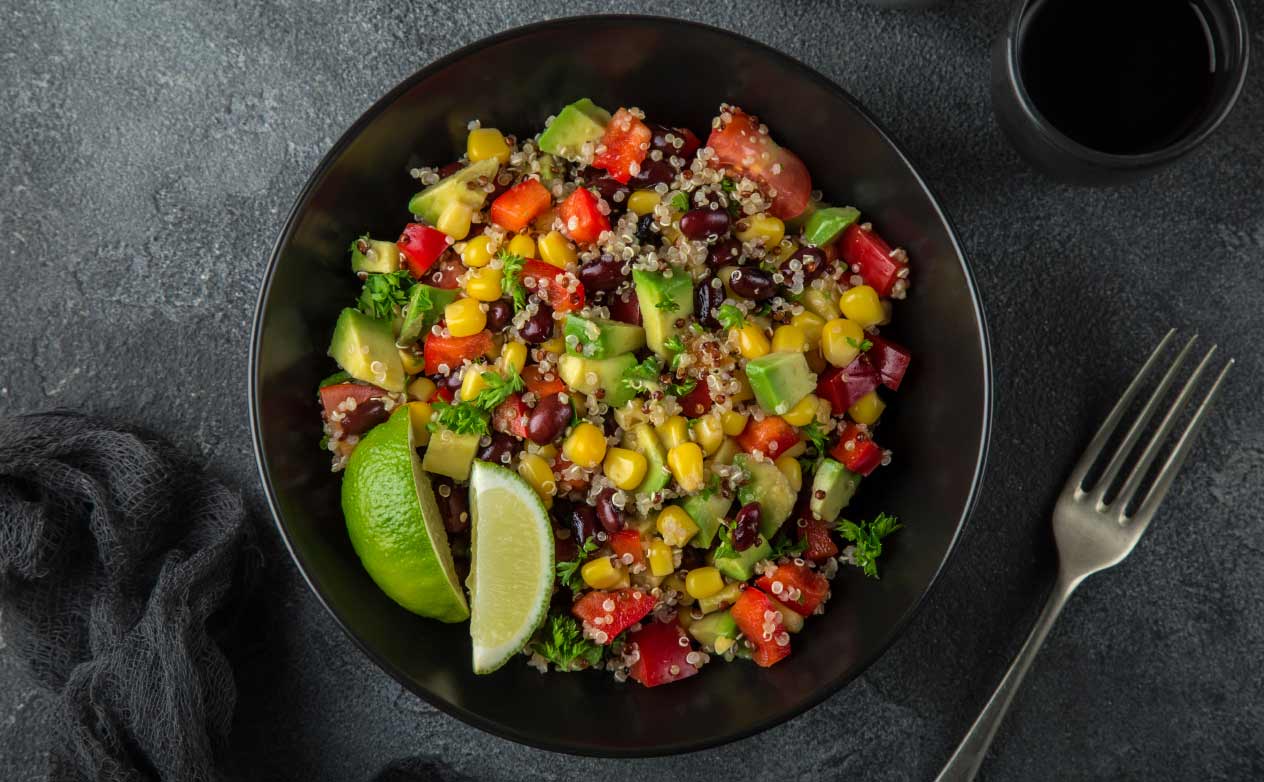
x,y
625,468
685,463
708,433
600,573
676,526
548,452
841,340
557,250
744,391
483,284
477,252
661,558
585,446
673,431
522,245
723,644
867,409
537,472
751,342
454,220
472,383
862,305
413,361
514,354
553,345
803,413
703,582
764,228
821,304
485,143
789,339
419,415
465,318
733,422
810,324
725,453
642,202
722,599
676,583
793,471
422,389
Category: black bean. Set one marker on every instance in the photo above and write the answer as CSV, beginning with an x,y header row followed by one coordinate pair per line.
x,y
751,283
646,232
746,526
699,224
453,379
501,445
499,313
607,187
611,517
707,299
728,252
654,172
812,263
583,521
625,307
549,419
454,504
603,274
659,141
364,417
539,327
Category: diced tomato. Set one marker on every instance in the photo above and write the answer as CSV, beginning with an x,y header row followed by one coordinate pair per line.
x,y
552,285
454,351
510,416
842,387
879,265
520,204
863,457
446,273
628,541
891,360
740,146
820,544
626,142
771,436
583,220
698,401
421,246
659,652
811,587
748,612
631,605
538,385
332,396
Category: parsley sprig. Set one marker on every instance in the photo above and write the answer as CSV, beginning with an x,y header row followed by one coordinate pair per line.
x,y
461,418
568,571
383,293
499,388
815,435
680,201
562,643
647,376
667,305
785,546
863,345
867,537
730,317
511,277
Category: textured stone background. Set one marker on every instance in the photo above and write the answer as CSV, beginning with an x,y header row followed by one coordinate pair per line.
x,y
148,155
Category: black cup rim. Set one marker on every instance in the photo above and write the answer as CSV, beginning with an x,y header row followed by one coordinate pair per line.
x,y
1070,146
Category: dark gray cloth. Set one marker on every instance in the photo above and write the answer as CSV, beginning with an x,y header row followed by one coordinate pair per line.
x,y
121,572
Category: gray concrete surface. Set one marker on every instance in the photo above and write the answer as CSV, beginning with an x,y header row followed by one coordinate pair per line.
x,y
148,154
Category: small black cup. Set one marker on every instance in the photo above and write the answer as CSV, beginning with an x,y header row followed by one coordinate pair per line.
x,y
1061,157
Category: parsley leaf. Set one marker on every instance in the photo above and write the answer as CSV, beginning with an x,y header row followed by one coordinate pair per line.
x,y
867,536
463,418
730,316
498,388
382,293
725,547
863,345
642,376
728,185
563,644
511,277
712,487
568,572
783,546
667,305
680,202
815,435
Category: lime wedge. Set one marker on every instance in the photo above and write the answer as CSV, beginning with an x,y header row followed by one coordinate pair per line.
x,y
511,564
395,526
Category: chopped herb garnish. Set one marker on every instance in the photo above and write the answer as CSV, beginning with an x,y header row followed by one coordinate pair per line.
x,y
499,388
562,643
462,418
713,485
643,376
383,293
511,277
728,185
568,571
783,546
867,537
667,305
730,316
680,201
764,309
864,344
816,436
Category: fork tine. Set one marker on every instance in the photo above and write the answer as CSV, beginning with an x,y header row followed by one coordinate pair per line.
x,y
1134,432
1176,459
1107,428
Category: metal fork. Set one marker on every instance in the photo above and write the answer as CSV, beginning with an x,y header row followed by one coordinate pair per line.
x,y
1095,529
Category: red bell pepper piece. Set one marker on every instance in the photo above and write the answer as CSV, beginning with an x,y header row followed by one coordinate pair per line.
x,y
583,219
539,385
661,659
332,396
553,285
454,351
844,386
631,605
863,250
510,416
891,360
740,146
628,541
748,612
698,401
421,246
626,142
864,455
816,533
771,436
802,589
520,204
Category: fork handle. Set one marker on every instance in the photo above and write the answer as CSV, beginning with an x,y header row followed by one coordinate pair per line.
x,y
965,762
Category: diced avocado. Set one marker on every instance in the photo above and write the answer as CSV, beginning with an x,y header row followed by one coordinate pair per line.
x,y
720,600
791,620
770,488
779,380
707,512
360,342
424,308
801,219
740,566
550,168
587,375
665,301
825,225
450,454
601,338
574,126
644,441
374,257
712,626
454,188
335,379
832,488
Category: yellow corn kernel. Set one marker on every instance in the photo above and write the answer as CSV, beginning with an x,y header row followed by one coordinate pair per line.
x,y
803,413
744,392
585,446
472,383
477,252
522,245
841,340
661,558
422,389
793,471
720,600
676,583
810,324
789,339
708,433
703,582
536,471
485,143
888,311
557,250
465,317
867,409
821,304
725,453
454,220
723,644
764,228
676,526
419,415
685,463
751,342
548,452
514,354
554,345
601,573
642,202
413,361
483,284
733,422
625,468
862,305
673,431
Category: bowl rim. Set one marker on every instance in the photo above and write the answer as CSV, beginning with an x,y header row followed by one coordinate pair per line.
x,y
826,688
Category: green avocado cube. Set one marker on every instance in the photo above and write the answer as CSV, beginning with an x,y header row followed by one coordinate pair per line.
x,y
455,188
780,380
575,125
666,304
365,348
601,338
372,256
832,488
770,488
825,225
423,310
590,375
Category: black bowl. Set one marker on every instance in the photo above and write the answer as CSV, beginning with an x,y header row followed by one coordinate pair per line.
x,y
678,72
